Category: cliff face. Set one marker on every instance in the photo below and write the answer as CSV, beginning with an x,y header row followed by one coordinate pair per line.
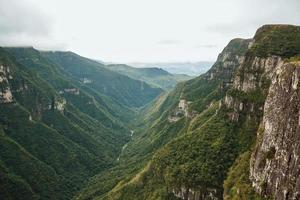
x,y
250,86
266,91
275,164
5,93
266,87
262,90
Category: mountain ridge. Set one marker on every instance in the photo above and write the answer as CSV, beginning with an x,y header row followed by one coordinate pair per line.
x,y
153,76
189,68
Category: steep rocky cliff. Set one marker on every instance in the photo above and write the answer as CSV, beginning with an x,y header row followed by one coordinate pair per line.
x,y
275,164
5,93
265,90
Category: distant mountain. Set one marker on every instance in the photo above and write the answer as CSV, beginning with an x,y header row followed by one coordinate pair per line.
x,y
189,68
154,76
126,91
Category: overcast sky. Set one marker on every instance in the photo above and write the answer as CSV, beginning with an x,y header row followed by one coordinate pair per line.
x,y
139,30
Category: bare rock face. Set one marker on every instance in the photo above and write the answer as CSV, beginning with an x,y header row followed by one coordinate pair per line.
x,y
5,90
228,60
275,163
251,83
254,71
195,194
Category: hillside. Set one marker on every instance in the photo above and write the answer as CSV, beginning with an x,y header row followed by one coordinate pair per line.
x,y
55,130
216,136
153,76
133,94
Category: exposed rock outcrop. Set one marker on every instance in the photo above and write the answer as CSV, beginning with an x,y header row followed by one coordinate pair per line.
x,y
182,110
275,164
250,85
5,90
194,194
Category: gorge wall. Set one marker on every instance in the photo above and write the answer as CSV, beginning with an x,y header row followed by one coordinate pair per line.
x,y
275,165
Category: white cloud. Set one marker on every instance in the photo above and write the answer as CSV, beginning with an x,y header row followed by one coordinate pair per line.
x,y
19,17
168,42
206,46
22,24
139,30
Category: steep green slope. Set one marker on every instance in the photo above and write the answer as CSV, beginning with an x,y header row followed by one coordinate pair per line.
x,y
22,175
120,88
58,123
84,97
154,76
156,126
101,117
198,94
35,124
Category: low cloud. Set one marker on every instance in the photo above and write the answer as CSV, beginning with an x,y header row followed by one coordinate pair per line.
x,y
21,24
168,42
18,16
139,30
251,15
206,46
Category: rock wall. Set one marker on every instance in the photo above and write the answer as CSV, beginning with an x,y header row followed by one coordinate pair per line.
x,y
5,90
195,194
250,86
275,167
275,164
266,89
